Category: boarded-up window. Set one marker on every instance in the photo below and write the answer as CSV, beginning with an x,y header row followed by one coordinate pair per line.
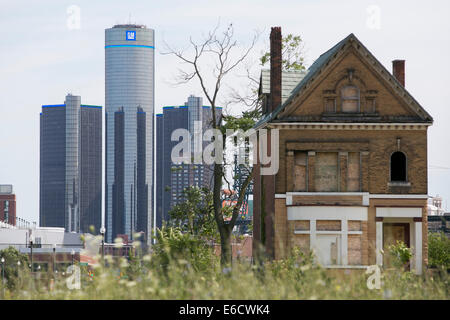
x,y
301,241
325,171
328,225
302,225
330,105
354,225
354,249
353,171
327,249
300,171
370,105
350,99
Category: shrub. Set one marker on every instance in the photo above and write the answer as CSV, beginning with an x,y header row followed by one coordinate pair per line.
x,y
438,250
401,254
174,246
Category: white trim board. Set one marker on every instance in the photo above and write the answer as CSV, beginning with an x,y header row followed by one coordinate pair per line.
x,y
374,196
297,193
399,212
326,213
398,196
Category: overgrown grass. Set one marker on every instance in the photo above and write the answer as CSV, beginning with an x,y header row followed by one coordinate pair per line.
x,y
294,278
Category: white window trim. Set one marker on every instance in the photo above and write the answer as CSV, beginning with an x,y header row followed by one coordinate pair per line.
x,y
314,213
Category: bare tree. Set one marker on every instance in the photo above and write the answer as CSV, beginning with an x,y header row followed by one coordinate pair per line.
x,y
218,47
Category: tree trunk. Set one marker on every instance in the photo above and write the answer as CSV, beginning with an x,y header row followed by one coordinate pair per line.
x,y
225,247
224,232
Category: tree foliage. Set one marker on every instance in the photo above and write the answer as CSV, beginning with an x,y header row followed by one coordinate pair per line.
x,y
292,53
13,270
438,250
195,214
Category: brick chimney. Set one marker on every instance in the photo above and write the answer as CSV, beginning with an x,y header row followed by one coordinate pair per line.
x,y
275,69
398,70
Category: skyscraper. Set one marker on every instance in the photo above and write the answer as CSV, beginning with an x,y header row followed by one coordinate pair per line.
x,y
129,99
71,165
173,179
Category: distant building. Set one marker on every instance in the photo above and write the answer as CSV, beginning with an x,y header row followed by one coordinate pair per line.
x,y
7,204
173,179
438,219
71,166
52,247
434,206
129,150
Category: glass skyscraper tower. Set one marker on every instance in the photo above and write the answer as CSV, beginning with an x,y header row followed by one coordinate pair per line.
x,y
129,102
173,179
71,166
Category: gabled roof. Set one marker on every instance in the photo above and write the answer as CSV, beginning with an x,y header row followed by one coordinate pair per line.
x,y
289,80
324,60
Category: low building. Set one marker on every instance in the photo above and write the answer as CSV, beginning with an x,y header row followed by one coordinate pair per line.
x,y
47,248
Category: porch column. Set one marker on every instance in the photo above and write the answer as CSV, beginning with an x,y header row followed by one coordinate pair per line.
x,y
312,236
344,228
379,240
311,162
290,173
418,245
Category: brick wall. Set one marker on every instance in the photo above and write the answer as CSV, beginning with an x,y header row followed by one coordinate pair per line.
x,y
380,145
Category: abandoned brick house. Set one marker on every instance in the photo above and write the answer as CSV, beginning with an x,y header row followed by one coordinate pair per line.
x,y
352,149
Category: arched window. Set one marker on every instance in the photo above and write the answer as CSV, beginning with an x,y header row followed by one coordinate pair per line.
x,y
398,166
350,99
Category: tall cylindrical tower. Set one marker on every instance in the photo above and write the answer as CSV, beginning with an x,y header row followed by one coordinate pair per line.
x,y
129,102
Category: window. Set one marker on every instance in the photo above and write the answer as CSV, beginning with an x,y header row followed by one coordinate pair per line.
x,y
330,105
398,166
6,211
300,165
350,99
328,248
326,172
370,105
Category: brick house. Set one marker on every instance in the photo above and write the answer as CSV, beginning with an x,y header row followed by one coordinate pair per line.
x,y
352,175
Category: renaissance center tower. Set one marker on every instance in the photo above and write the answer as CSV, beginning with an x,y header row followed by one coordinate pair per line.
x,y
129,104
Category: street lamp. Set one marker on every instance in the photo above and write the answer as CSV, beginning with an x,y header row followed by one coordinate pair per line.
x,y
3,275
18,270
54,256
102,231
31,248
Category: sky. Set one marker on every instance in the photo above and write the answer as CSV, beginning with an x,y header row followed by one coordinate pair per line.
x,y
45,54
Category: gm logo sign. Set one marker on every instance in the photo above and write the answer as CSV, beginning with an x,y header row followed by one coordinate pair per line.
x,y
131,35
